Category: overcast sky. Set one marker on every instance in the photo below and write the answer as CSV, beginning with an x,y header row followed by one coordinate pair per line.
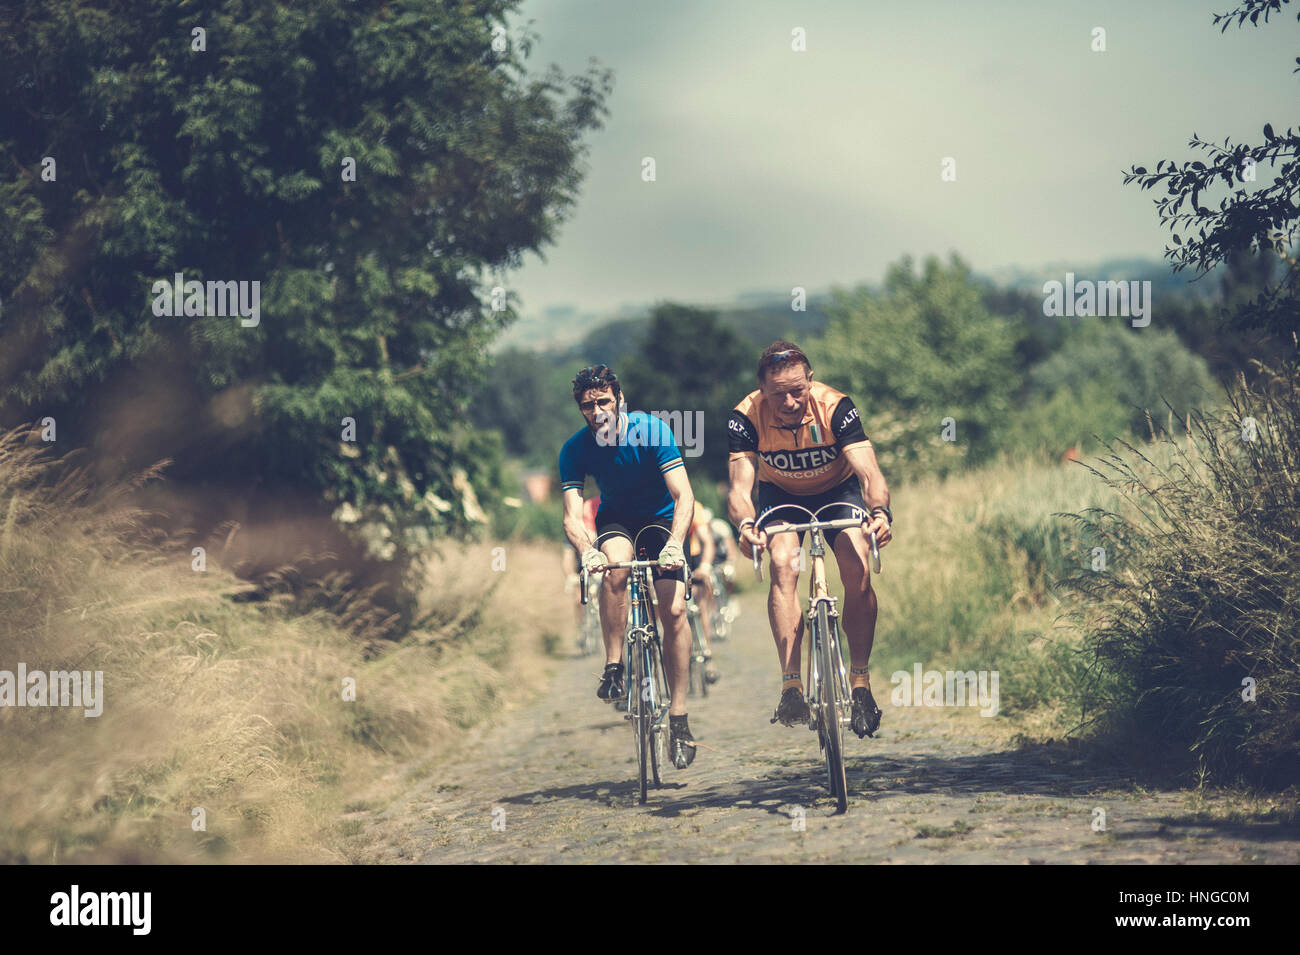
x,y
777,168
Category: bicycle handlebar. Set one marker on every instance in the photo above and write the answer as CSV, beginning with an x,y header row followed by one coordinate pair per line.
x,y
842,524
632,565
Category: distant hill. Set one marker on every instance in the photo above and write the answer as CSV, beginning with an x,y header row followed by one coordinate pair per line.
x,y
1156,271
759,325
567,334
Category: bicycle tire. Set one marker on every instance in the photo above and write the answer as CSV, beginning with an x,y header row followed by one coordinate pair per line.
x,y
817,712
637,707
830,727
694,675
658,748
704,660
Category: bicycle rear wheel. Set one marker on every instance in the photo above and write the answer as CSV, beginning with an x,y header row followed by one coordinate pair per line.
x,y
828,692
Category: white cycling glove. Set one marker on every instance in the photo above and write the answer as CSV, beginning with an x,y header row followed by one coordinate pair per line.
x,y
671,553
593,560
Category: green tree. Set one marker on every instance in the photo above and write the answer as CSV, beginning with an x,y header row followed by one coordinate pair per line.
x,y
1104,380
530,401
1249,218
216,140
690,362
922,349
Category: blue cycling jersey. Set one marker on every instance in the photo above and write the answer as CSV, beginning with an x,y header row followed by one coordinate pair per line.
x,y
629,470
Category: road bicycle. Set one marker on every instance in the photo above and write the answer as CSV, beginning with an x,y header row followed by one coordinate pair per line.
x,y
647,697
829,702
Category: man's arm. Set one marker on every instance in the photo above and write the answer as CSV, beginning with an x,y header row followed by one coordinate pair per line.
x,y
740,499
574,527
862,458
679,486
742,443
740,502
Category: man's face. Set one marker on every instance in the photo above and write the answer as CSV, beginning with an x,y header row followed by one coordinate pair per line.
x,y
598,406
787,389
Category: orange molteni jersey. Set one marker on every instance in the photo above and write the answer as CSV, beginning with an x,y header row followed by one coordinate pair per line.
x,y
808,459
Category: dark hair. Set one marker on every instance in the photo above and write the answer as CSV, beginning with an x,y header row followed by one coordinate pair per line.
x,y
597,377
779,353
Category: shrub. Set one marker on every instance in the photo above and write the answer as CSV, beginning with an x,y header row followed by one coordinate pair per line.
x,y
1200,599
1110,366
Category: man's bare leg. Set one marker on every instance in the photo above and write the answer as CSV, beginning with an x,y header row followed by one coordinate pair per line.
x,y
860,625
783,610
613,599
677,641
859,602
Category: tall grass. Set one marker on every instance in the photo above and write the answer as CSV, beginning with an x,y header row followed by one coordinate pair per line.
x,y
1199,607
970,583
232,707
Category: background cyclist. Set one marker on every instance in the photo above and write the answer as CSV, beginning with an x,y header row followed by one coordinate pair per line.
x,y
700,554
723,562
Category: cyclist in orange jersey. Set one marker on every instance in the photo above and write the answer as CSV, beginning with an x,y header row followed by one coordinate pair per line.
x,y
804,444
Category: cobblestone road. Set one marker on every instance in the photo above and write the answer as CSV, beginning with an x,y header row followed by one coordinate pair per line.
x,y
556,776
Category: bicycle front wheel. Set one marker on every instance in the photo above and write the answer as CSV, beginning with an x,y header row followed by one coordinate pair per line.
x,y
828,694
658,732
640,710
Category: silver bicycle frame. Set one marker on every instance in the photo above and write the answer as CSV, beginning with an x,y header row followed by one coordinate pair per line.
x,y
817,549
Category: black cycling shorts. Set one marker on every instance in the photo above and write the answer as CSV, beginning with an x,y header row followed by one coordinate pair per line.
x,y
612,524
849,492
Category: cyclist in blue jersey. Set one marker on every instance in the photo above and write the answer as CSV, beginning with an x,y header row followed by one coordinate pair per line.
x,y
642,479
